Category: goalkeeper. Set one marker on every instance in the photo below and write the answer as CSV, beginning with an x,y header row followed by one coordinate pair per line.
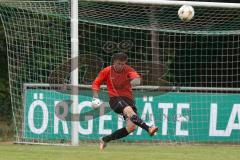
x,y
120,78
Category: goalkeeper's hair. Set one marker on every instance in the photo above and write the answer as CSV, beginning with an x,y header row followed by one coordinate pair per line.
x,y
119,56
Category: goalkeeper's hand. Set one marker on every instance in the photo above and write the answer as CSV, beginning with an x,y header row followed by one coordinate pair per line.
x,y
96,103
135,82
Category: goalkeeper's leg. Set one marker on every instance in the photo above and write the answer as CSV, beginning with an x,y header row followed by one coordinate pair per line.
x,y
129,113
126,106
132,120
120,133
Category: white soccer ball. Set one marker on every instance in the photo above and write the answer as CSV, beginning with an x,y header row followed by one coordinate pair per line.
x,y
96,103
186,13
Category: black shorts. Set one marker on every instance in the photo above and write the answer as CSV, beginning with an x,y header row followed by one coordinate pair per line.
x,y
119,103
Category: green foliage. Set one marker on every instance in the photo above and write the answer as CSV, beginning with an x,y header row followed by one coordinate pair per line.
x,y
5,104
6,129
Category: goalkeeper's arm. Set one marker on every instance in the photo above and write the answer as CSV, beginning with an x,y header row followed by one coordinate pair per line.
x,y
136,81
100,79
96,102
95,94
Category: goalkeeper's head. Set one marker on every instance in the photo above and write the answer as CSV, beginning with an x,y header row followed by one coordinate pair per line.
x,y
119,60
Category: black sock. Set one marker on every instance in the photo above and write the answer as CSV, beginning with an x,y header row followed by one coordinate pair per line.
x,y
120,133
139,122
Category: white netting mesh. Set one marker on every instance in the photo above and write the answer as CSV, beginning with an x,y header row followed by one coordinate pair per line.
x,y
166,52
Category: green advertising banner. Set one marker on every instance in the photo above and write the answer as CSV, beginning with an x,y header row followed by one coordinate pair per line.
x,y
196,117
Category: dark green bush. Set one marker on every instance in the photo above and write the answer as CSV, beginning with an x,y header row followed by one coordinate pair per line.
x,y
6,129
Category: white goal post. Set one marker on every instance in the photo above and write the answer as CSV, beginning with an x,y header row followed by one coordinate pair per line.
x,y
74,67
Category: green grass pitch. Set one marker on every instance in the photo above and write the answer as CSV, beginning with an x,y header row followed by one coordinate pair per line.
x,y
120,152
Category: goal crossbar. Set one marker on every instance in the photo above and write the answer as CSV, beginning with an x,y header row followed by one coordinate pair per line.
x,y
173,3
148,87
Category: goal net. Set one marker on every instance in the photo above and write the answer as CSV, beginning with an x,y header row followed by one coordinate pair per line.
x,y
190,70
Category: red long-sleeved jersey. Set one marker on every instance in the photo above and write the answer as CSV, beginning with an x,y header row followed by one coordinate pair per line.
x,y
118,83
